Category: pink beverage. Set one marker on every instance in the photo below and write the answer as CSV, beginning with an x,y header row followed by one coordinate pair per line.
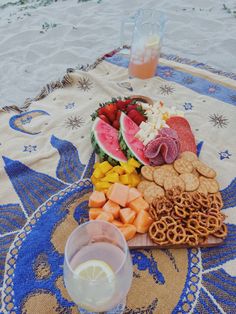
x,y
144,60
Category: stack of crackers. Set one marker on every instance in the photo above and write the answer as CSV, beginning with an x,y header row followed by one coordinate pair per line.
x,y
185,201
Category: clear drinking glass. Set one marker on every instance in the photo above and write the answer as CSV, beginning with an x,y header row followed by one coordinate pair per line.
x,y
146,42
102,242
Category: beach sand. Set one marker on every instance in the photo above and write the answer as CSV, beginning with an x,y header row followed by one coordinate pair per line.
x,y
38,43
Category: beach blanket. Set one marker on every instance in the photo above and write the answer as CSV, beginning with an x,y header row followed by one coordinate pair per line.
x,y
45,166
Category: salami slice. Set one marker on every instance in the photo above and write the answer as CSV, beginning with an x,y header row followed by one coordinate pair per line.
x,y
185,134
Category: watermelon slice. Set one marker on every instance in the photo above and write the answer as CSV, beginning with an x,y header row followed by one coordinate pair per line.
x,y
129,144
104,139
185,134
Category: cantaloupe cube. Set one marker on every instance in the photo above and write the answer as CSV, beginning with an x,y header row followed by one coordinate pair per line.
x,y
97,199
143,221
105,167
108,191
119,194
112,208
100,186
125,179
127,215
98,174
133,194
111,177
128,231
94,212
134,163
138,204
119,170
105,216
117,223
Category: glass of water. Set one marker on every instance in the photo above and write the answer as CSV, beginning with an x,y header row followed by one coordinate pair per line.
x,y
98,268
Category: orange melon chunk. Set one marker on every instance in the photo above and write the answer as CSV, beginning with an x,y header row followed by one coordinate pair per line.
x,y
119,194
97,199
117,223
128,231
138,204
143,221
127,215
105,216
133,194
94,212
112,208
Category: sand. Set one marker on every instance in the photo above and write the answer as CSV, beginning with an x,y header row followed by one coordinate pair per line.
x,y
32,52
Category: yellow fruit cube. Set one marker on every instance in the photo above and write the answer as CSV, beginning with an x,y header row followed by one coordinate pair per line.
x,y
98,174
111,177
134,163
127,168
94,180
134,179
100,186
96,165
118,169
125,179
105,166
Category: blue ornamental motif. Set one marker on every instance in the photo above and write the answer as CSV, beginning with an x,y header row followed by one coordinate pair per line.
x,y
188,106
70,105
225,155
30,148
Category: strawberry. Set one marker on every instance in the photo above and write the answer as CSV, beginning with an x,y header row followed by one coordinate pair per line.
x,y
118,115
121,105
116,124
131,107
136,116
100,111
109,111
104,118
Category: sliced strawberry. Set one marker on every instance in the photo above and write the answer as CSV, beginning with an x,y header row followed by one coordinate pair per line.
x,y
110,111
100,111
104,118
116,124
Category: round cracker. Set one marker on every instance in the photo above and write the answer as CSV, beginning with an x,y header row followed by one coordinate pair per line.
x,y
190,180
206,171
170,168
195,173
182,165
211,184
143,185
160,174
152,192
190,156
147,172
172,182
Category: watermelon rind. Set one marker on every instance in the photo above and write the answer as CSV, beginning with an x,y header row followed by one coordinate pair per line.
x,y
127,150
103,154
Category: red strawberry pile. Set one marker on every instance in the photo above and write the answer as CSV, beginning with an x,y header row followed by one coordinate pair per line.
x,y
110,111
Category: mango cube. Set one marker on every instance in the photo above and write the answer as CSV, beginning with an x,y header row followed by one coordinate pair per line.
x,y
98,174
96,165
125,179
119,170
111,177
100,186
94,180
134,179
105,167
134,163
128,169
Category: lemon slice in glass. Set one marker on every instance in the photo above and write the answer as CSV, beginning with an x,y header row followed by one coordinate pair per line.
x,y
153,42
93,270
98,286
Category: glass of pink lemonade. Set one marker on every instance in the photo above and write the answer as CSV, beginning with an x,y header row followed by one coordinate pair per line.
x,y
146,43
98,268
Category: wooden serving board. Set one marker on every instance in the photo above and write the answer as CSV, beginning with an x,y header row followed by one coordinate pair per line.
x,y
142,241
